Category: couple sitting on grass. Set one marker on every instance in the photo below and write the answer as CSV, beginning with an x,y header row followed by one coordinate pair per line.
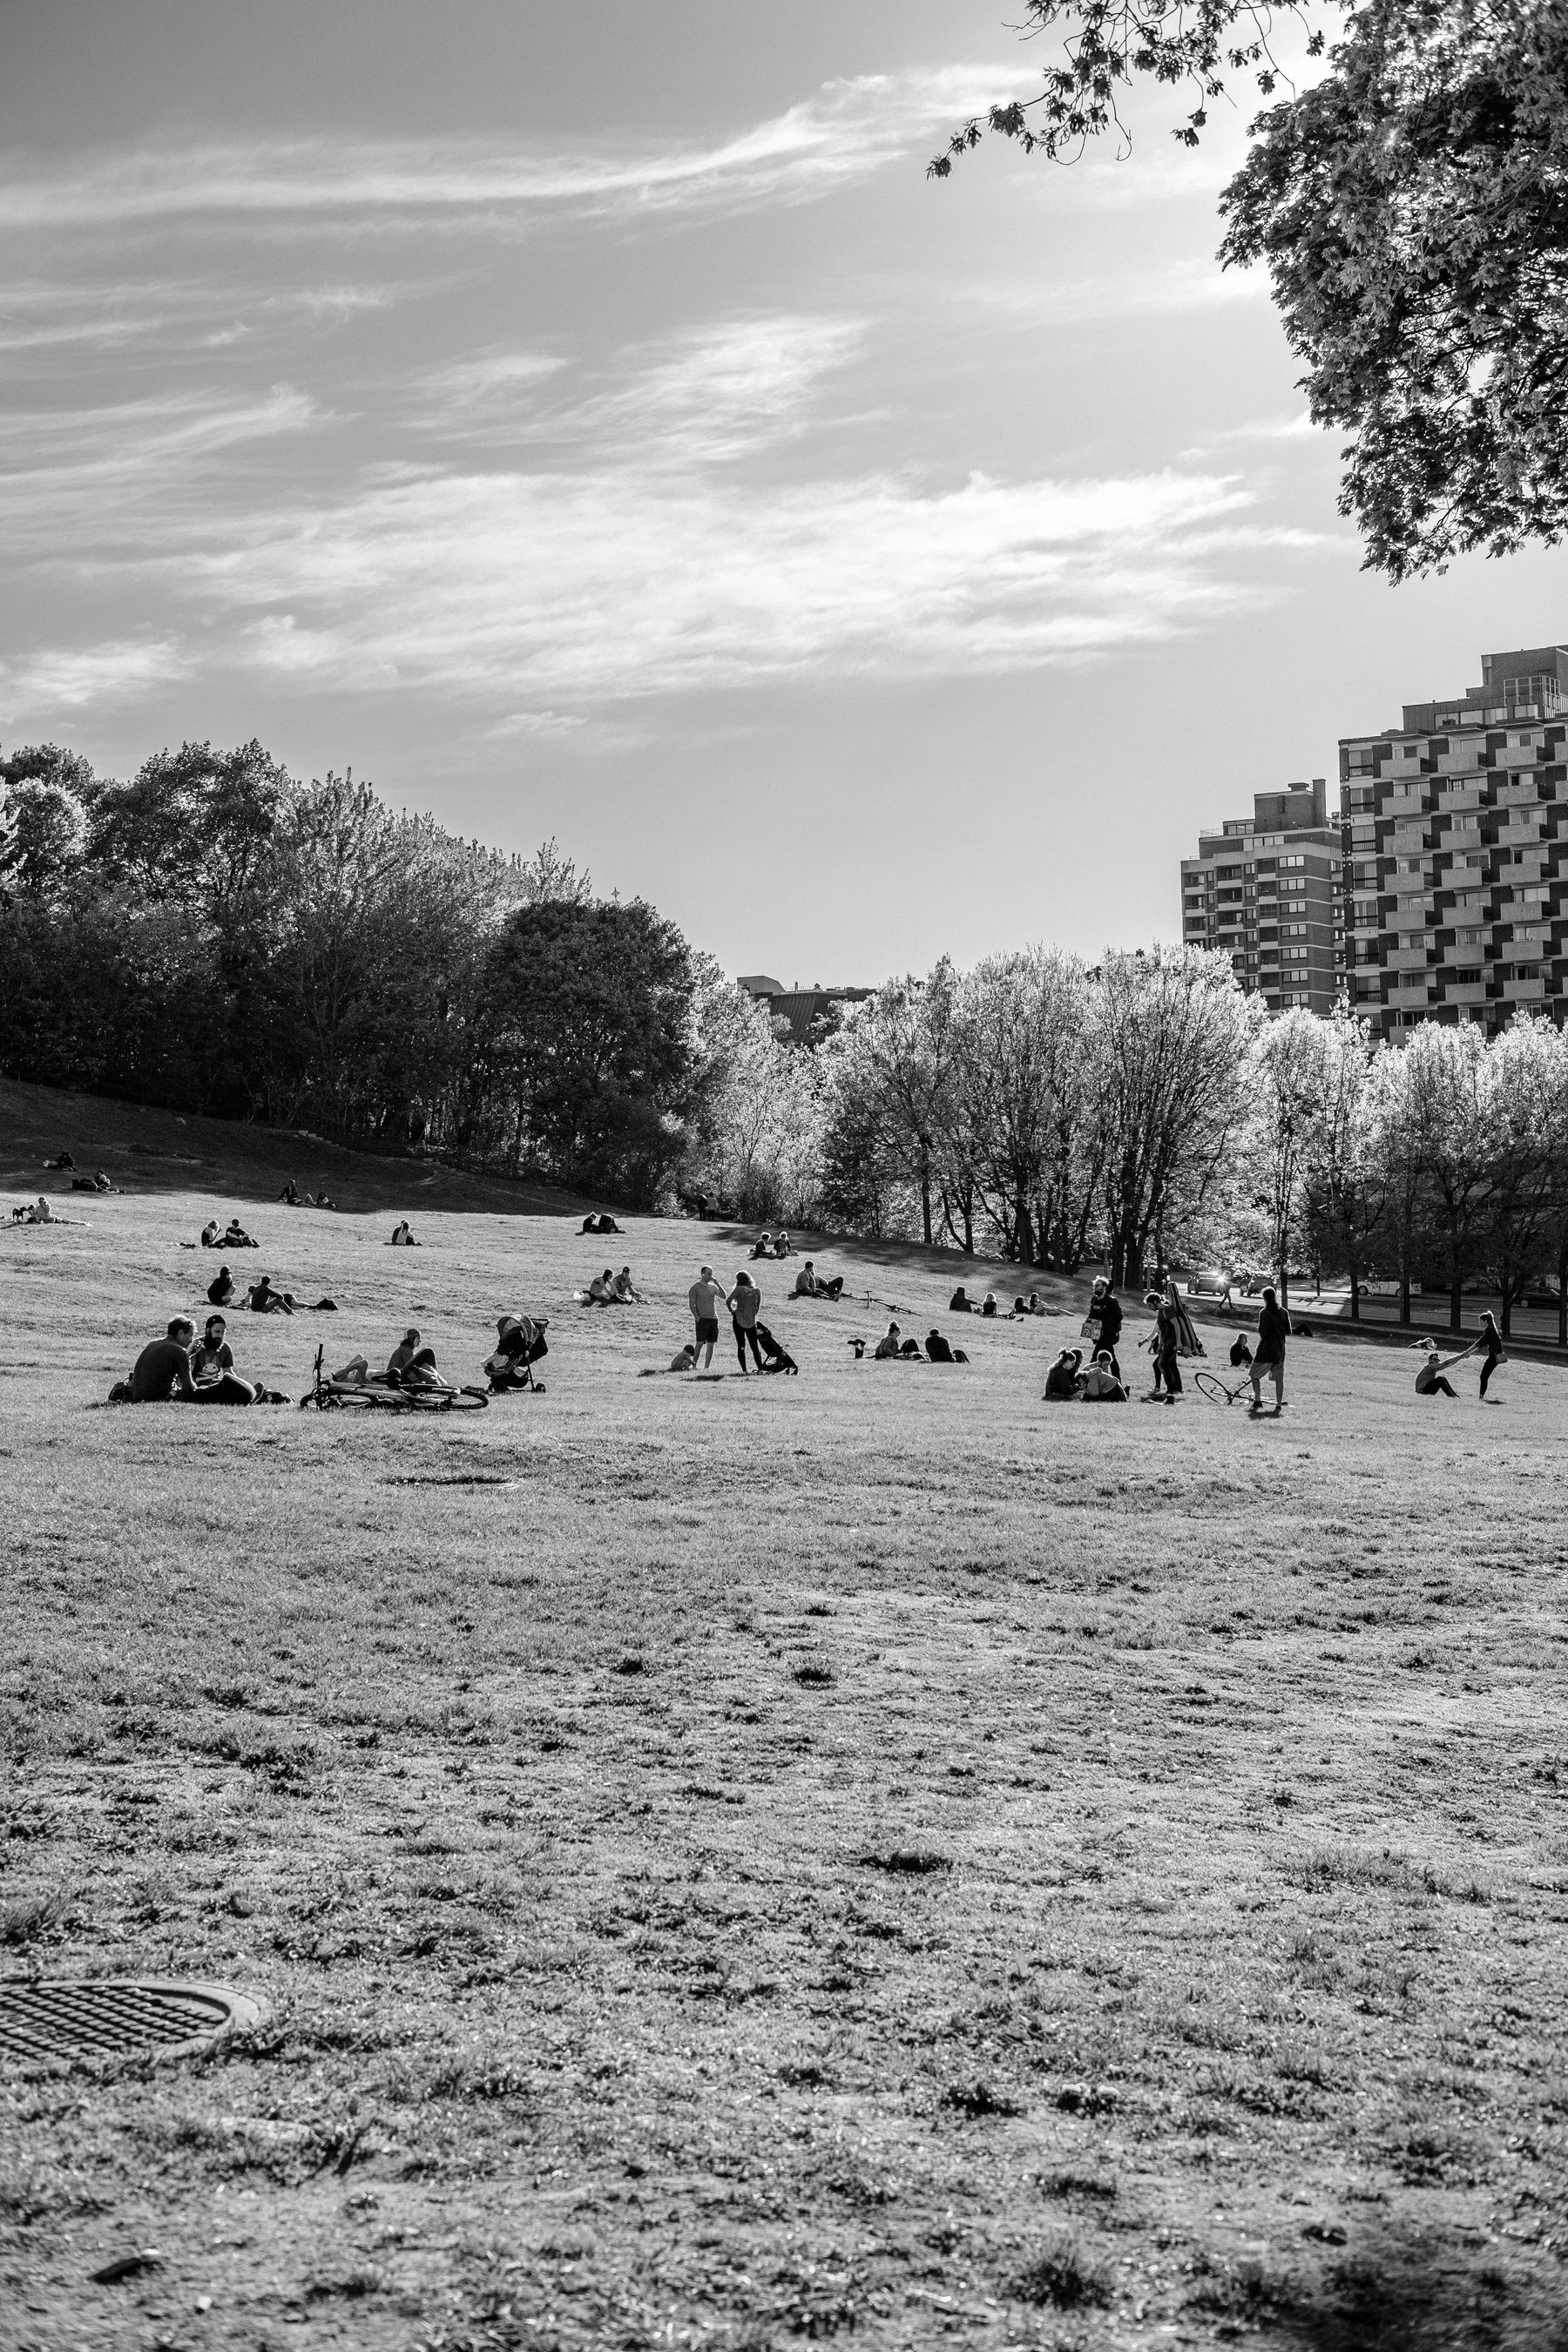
x,y
235,1238
177,1369
609,1289
892,1347
603,1224
773,1245
1068,1383
411,1365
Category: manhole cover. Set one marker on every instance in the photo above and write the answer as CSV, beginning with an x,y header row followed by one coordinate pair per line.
x,y
44,2021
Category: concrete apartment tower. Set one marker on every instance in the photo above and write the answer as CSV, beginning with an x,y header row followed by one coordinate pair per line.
x,y
1268,890
1454,826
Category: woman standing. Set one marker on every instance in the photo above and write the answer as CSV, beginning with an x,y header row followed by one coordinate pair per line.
x,y
745,1304
1490,1343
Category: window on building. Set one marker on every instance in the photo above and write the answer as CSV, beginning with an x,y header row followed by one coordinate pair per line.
x,y
1469,976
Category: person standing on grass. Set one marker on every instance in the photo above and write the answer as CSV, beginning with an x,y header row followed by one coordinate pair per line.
x,y
745,1304
1268,1355
1164,1348
703,1299
1492,1354
1103,1323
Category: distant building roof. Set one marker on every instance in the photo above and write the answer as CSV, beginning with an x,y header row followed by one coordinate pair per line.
x,y
757,983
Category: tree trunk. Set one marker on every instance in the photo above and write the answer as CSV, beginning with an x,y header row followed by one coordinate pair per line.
x,y
1355,1293
1405,1286
1507,1299
925,1198
1025,1232
1457,1303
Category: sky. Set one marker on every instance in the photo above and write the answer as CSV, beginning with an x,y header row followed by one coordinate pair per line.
x,y
593,423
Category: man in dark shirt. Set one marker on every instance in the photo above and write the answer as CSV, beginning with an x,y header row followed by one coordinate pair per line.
x,y
1273,1330
163,1366
1105,1313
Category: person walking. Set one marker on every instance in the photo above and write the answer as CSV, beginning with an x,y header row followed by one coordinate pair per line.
x,y
1104,1316
745,1304
1492,1354
1268,1355
703,1299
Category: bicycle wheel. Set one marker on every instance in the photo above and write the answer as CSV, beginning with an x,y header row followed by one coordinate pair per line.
x,y
1214,1389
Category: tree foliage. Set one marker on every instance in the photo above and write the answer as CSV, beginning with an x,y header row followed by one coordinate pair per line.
x,y
1412,210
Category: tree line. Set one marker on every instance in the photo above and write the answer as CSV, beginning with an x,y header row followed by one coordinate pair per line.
x,y
214,935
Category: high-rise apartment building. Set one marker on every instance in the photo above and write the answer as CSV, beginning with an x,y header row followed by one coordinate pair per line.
x,y
1268,890
1456,834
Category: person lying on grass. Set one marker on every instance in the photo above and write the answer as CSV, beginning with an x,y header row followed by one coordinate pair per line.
x,y
411,1365
1101,1385
809,1284
1063,1384
1429,1380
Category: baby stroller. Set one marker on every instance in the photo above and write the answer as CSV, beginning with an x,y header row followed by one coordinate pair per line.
x,y
520,1345
775,1358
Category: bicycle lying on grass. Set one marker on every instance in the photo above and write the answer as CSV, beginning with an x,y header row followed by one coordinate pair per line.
x,y
375,1396
1210,1384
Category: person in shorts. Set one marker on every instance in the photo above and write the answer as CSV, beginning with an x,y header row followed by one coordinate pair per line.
x,y
704,1298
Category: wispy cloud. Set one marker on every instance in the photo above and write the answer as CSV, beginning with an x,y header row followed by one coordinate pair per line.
x,y
69,677
848,129
638,566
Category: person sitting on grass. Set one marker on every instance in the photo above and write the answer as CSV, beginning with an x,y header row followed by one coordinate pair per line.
x,y
601,1291
893,1343
1101,1385
622,1290
209,1234
40,1213
1062,1383
1429,1380
939,1350
237,1237
960,1302
762,1246
1273,1330
684,1360
164,1368
63,1160
783,1245
220,1289
809,1284
402,1236
265,1300
212,1366
291,1193
988,1304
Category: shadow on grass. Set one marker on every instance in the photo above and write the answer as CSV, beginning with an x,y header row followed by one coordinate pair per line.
x,y
1395,2300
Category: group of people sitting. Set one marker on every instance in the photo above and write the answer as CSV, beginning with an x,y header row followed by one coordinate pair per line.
x,y
893,1346
98,1183
1068,1381
235,1238
261,1299
181,1369
778,1244
961,1303
609,1289
601,1224
293,1197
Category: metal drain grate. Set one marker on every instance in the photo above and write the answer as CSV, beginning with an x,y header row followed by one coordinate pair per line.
x,y
46,2023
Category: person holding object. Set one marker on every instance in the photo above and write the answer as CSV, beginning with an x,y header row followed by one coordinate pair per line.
x,y
703,1299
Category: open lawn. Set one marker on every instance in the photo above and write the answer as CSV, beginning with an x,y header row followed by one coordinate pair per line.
x,y
741,1864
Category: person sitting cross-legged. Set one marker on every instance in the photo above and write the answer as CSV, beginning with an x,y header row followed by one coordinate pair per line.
x,y
212,1368
762,1246
601,1291
988,1304
961,1303
809,1283
237,1237
623,1291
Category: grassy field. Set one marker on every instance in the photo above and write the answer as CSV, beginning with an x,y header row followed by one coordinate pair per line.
x,y
866,1856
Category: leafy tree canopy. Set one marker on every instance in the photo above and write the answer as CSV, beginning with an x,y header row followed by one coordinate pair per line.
x,y
1412,209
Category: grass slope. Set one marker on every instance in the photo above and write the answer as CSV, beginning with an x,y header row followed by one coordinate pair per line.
x,y
743,1863
151,1151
